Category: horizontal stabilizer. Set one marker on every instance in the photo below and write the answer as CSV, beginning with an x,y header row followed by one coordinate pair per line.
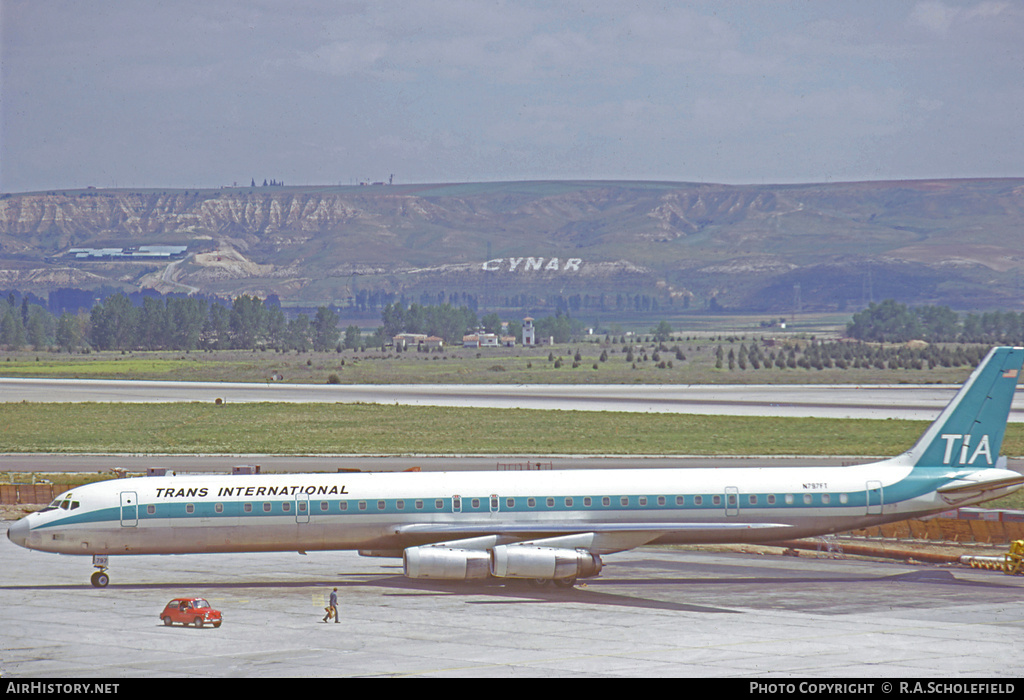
x,y
969,486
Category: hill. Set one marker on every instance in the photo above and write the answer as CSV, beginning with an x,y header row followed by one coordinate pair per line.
x,y
582,246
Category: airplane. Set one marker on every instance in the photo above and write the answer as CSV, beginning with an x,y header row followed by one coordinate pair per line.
x,y
542,526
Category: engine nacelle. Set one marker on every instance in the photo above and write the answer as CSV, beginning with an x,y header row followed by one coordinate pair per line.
x,y
527,561
446,563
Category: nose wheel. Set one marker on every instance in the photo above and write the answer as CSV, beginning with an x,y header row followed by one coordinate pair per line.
x,y
100,579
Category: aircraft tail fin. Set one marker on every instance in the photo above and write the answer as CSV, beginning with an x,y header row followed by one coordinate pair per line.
x,y
970,430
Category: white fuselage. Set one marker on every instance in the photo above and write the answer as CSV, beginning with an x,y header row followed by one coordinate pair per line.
x,y
392,511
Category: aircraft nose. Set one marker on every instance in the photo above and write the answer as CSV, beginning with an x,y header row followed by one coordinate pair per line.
x,y
18,532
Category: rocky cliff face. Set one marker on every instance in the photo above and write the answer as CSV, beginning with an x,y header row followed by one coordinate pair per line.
x,y
752,248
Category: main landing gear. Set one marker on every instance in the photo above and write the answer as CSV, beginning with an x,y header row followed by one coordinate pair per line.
x,y
100,579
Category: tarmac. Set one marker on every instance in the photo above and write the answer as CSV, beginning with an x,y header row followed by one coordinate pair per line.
x,y
677,612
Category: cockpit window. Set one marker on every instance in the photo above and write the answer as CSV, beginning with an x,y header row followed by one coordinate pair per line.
x,y
61,503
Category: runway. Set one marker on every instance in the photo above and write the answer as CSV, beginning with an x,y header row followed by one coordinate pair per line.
x,y
653,612
906,401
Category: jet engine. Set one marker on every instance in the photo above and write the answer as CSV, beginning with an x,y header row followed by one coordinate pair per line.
x,y
527,561
446,563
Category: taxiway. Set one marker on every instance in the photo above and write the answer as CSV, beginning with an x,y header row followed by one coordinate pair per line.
x,y
653,612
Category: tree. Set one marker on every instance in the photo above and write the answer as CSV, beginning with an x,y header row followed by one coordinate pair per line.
x,y
325,329
888,321
114,324
491,322
217,329
186,318
663,332
353,337
12,330
68,334
299,333
248,322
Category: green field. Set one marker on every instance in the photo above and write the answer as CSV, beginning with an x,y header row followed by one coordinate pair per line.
x,y
600,362
282,428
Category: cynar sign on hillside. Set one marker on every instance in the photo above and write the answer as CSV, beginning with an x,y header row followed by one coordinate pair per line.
x,y
529,264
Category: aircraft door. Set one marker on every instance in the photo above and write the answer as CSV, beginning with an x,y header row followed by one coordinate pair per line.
x,y
732,501
874,497
129,509
302,508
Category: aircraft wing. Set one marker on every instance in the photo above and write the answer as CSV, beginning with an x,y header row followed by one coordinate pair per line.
x,y
561,528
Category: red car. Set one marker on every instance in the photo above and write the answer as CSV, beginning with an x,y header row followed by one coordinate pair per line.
x,y
190,611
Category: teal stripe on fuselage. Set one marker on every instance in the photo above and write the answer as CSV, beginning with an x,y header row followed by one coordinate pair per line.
x,y
919,482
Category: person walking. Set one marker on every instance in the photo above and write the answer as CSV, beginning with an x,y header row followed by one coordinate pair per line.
x,y
332,607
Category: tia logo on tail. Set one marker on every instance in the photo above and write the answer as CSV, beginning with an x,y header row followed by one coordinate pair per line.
x,y
982,448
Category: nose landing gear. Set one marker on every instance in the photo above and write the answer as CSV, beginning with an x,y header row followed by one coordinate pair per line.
x,y
100,579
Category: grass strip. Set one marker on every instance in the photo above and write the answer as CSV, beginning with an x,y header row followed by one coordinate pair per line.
x,y
284,428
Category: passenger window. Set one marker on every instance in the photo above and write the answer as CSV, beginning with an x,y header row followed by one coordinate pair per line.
x,y
190,508
825,499
286,506
752,499
624,501
150,510
247,507
419,505
325,506
531,502
680,500
510,503
476,503
266,507
606,501
698,500
343,505
588,501
550,502
400,505
219,507
771,499
439,504
844,498
380,505
643,500
568,502
789,499
716,500
807,499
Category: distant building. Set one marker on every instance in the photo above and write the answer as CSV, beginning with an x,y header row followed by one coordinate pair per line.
x,y
143,252
404,340
529,332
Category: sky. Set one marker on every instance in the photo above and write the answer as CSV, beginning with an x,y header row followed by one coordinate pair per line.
x,y
211,93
